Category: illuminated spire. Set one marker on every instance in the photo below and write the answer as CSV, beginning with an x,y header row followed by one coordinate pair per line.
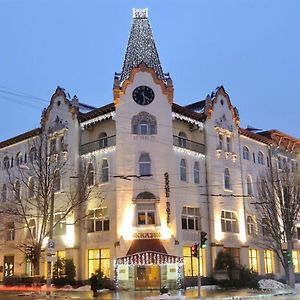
x,y
141,46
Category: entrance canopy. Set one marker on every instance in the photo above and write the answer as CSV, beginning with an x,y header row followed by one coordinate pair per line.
x,y
147,252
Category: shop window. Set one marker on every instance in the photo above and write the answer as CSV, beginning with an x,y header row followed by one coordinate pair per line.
x,y
190,218
234,252
268,259
191,263
98,220
253,260
229,221
99,259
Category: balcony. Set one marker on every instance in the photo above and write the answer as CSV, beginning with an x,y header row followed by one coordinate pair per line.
x,y
98,145
187,144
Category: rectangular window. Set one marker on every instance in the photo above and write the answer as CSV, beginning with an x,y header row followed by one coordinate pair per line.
x,y
146,214
229,221
191,263
10,235
295,254
268,258
253,260
228,144
235,253
98,220
298,233
60,224
190,218
52,146
99,259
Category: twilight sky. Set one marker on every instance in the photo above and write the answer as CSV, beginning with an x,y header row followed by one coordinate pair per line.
x,y
250,47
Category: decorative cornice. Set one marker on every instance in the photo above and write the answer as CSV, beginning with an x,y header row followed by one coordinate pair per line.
x,y
167,89
97,119
187,119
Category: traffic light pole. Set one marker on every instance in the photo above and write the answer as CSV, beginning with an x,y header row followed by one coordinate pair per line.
x,y
199,260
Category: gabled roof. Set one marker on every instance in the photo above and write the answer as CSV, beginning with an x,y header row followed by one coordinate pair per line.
x,y
20,137
282,139
96,112
255,136
141,47
188,112
196,106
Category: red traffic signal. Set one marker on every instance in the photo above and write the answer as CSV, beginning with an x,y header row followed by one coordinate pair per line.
x,y
194,250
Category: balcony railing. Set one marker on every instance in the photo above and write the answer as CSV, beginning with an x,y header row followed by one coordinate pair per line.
x,y
187,144
98,144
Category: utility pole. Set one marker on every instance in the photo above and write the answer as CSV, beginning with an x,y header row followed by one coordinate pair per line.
x,y
199,260
49,257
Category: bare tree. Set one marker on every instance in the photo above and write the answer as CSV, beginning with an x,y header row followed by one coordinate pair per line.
x,y
39,179
278,208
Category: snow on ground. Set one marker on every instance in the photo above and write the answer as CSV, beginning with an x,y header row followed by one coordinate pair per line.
x,y
165,297
270,284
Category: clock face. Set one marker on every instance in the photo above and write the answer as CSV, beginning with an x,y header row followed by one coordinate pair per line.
x,y
143,95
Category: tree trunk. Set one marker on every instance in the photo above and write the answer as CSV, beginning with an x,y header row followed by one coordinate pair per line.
x,y
36,266
290,267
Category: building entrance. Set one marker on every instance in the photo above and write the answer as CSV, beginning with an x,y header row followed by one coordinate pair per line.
x,y
147,277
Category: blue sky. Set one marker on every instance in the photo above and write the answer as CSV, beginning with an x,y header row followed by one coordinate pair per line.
x,y
251,47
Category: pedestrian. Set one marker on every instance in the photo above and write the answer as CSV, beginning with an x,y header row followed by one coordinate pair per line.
x,y
94,281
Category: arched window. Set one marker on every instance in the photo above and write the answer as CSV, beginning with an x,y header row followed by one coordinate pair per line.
x,y
145,164
260,158
31,186
250,225
183,171
182,139
6,162
4,193
249,185
227,184
279,163
143,124
104,168
253,154
284,163
245,153
102,140
17,190
91,175
146,209
56,181
33,154
196,172
268,162
11,162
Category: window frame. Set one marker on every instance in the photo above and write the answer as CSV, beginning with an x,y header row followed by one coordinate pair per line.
x,y
145,164
98,220
104,171
183,170
227,180
229,223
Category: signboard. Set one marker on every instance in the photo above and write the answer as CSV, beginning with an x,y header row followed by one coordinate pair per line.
x,y
51,246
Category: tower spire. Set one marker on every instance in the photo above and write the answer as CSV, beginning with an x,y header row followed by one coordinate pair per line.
x,y
141,46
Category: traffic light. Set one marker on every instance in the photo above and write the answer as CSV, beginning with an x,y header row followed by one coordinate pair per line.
x,y
194,250
288,257
203,239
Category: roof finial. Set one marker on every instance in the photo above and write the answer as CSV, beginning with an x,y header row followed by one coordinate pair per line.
x,y
140,13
